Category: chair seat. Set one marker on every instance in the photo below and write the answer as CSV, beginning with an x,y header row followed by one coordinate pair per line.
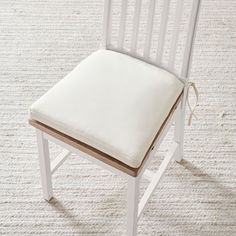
x,y
112,102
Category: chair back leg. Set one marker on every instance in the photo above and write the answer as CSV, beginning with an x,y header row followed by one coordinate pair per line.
x,y
179,130
132,205
44,162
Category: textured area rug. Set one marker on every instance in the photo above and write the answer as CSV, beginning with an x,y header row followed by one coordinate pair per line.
x,y
40,42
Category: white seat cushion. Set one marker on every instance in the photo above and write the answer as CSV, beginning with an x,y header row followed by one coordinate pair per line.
x,y
112,102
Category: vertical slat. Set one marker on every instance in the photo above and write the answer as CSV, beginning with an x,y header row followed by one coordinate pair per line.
x,y
122,23
190,39
136,25
107,23
163,26
151,13
175,35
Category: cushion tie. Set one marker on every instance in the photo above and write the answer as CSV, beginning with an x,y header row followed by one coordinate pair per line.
x,y
192,109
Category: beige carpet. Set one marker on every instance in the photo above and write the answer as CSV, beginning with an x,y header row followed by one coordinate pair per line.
x,y
40,41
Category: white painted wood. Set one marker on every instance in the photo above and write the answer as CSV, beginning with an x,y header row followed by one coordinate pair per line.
x,y
175,35
179,133
132,205
163,28
132,51
190,39
44,163
179,126
86,156
136,21
107,24
59,160
157,177
149,30
122,23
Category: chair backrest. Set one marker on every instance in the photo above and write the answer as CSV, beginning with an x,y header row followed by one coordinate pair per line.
x,y
125,17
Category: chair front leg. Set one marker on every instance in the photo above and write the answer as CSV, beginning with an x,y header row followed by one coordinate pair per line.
x,y
44,162
132,205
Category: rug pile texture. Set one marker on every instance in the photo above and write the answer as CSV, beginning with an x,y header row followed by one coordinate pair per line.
x,y
40,42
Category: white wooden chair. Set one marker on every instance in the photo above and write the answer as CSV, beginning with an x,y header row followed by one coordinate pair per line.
x,y
117,105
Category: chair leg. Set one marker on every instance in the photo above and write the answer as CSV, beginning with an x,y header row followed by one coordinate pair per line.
x,y
179,132
44,162
132,206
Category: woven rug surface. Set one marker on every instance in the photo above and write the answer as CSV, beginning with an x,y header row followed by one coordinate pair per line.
x,y
40,42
